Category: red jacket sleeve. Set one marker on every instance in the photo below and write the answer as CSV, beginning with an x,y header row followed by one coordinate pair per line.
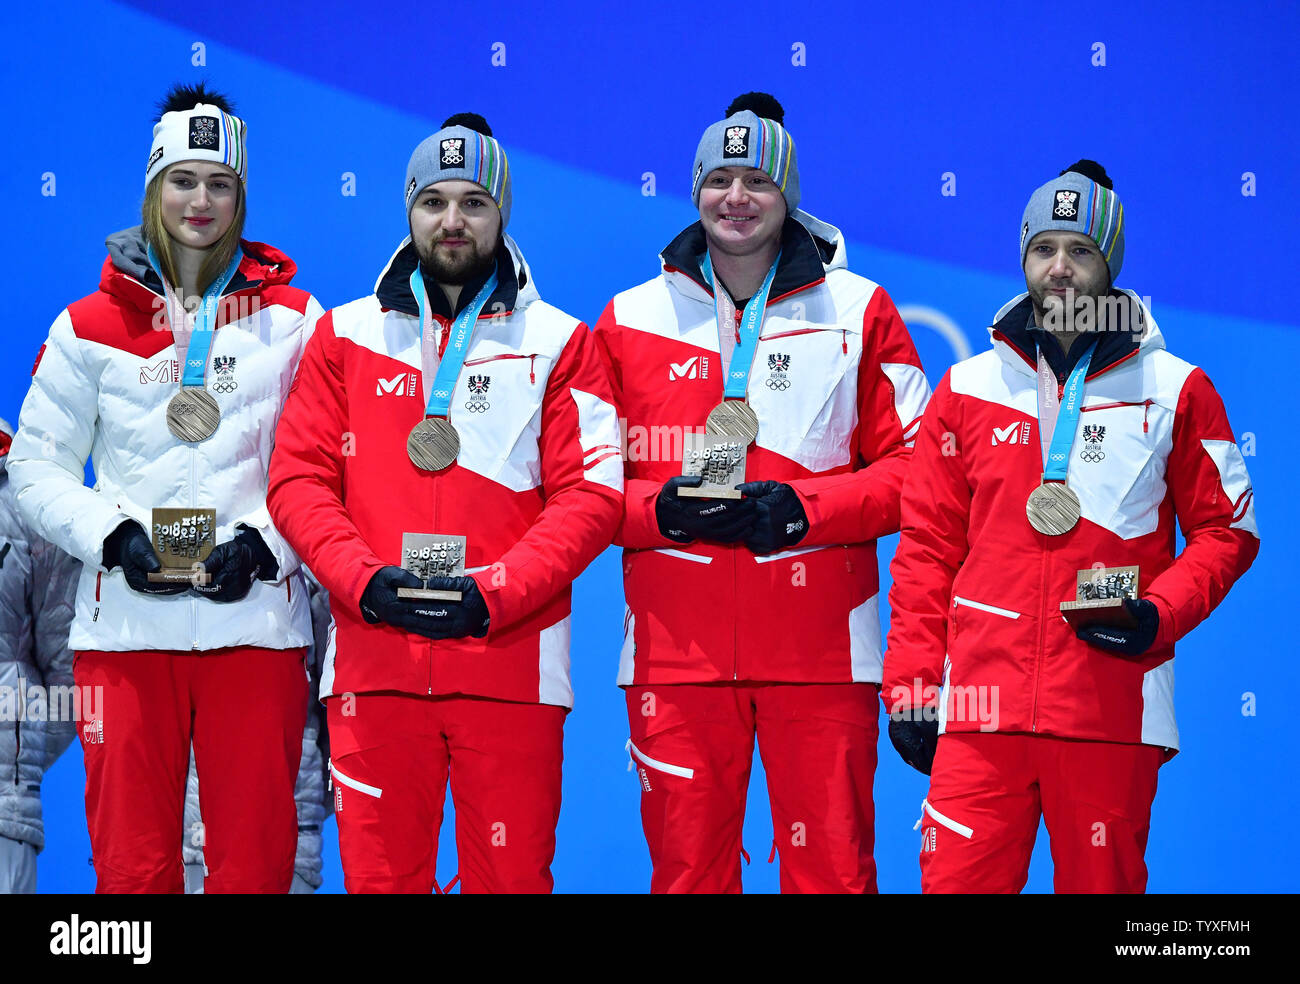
x,y
1215,506
582,479
862,504
305,484
935,510
638,527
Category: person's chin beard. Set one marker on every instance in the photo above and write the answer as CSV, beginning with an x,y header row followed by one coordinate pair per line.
x,y
458,273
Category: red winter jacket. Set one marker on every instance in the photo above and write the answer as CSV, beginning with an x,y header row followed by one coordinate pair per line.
x,y
537,488
975,606
839,392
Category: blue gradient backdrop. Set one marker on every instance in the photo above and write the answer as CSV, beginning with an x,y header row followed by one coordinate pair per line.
x,y
1191,97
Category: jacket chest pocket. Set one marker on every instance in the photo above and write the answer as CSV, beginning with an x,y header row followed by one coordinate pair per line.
x,y
1117,464
803,385
496,408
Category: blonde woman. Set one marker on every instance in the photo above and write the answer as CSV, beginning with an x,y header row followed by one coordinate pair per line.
x,y
170,378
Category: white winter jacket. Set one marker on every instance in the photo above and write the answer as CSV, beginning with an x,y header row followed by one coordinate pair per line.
x,y
100,390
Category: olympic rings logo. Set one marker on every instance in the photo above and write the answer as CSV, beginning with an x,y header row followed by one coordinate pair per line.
x,y
778,383
1092,457
225,387
481,407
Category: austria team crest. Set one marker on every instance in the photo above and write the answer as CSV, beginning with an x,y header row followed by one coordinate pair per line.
x,y
453,152
736,142
223,366
203,133
478,387
1067,205
1093,435
779,363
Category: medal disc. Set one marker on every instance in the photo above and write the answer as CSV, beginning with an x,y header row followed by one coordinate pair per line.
x,y
433,444
1052,508
733,418
193,414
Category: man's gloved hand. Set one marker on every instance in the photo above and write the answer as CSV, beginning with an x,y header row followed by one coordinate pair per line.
x,y
915,740
431,619
130,548
1126,642
719,520
233,566
781,520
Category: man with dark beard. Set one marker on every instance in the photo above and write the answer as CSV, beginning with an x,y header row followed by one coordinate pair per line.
x,y
1037,597
452,402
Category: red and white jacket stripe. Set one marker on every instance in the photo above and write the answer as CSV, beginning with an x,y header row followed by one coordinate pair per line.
x,y
975,606
836,424
100,390
537,489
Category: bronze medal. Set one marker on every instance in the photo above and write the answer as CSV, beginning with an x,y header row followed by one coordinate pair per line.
x,y
1052,508
433,444
193,414
735,419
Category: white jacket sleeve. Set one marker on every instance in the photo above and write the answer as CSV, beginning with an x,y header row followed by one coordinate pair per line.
x,y
47,463
260,519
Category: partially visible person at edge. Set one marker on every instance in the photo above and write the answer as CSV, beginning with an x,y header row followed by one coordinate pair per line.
x,y
453,401
310,793
758,615
37,584
192,327
1064,454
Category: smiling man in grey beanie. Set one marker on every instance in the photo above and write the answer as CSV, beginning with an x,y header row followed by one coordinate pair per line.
x,y
1036,578
755,616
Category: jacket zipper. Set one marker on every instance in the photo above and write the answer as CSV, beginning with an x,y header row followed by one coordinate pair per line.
x,y
194,601
1042,636
1144,404
532,363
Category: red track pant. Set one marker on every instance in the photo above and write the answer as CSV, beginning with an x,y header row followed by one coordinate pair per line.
x,y
988,790
244,709
391,756
692,746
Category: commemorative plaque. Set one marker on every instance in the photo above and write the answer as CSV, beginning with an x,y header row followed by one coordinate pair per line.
x,y
183,538
429,555
1099,597
719,461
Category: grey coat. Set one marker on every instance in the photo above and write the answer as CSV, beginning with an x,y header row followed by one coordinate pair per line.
x,y
38,584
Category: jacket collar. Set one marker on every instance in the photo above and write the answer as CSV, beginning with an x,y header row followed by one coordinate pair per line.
x,y
515,288
128,274
1015,344
809,249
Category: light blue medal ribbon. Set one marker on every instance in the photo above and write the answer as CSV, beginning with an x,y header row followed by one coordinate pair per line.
x,y
1056,467
204,320
751,324
453,359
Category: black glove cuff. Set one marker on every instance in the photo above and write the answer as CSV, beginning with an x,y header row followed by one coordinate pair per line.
x,y
115,541
268,568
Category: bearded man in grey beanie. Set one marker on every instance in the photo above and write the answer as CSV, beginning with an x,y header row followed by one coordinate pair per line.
x,y
1037,597
447,463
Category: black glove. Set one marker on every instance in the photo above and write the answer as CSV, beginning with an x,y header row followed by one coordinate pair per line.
x,y
233,566
431,619
130,548
1126,642
915,740
719,520
781,520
